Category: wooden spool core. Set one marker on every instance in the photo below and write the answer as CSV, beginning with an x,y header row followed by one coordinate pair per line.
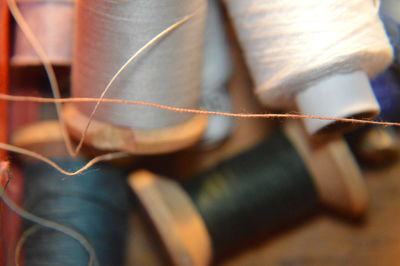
x,y
104,136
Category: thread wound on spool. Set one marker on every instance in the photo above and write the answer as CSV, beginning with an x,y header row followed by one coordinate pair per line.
x,y
292,45
52,22
94,204
253,193
168,73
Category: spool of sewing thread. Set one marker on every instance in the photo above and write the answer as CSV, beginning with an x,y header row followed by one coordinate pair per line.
x,y
256,192
168,72
217,69
94,203
52,22
375,146
317,55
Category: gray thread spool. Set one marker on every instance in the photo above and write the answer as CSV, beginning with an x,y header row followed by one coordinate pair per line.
x,y
109,33
52,22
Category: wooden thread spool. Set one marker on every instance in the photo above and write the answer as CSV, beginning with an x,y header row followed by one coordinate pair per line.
x,y
168,72
52,22
375,146
48,246
183,230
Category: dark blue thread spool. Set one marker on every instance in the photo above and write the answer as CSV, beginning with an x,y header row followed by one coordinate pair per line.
x,y
94,204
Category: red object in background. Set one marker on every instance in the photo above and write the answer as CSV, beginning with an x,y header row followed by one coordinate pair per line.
x,y
4,75
11,222
4,71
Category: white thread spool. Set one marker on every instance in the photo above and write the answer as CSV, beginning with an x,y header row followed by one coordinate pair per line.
x,y
168,73
316,54
52,22
217,69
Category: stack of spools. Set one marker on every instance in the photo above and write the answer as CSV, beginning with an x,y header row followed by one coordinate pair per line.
x,y
70,220
314,57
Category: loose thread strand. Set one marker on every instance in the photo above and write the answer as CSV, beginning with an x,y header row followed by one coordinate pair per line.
x,y
33,229
16,13
193,111
105,157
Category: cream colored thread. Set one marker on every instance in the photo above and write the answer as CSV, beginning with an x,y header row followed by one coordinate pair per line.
x,y
290,45
105,157
21,242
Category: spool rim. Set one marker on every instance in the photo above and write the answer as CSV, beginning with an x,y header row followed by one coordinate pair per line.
x,y
338,178
175,218
104,136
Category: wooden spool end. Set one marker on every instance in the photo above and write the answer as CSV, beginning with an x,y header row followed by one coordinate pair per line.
x,y
44,137
175,218
336,174
104,136
378,146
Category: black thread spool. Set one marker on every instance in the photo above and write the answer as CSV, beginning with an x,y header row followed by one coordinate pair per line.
x,y
94,204
256,192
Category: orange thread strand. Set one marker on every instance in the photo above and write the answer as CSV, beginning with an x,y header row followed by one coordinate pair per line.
x,y
193,111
